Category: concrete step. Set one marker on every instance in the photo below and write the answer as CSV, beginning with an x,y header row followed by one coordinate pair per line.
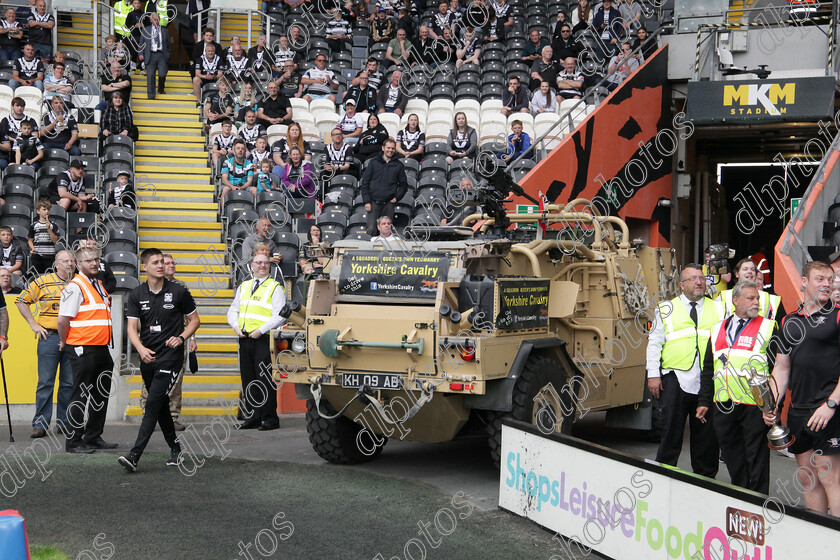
x,y
155,125
198,201
219,358
156,169
187,246
191,146
168,221
140,93
162,236
198,258
178,181
177,164
207,282
179,215
193,155
203,298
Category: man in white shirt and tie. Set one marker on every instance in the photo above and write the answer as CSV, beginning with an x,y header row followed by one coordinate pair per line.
x,y
677,342
155,52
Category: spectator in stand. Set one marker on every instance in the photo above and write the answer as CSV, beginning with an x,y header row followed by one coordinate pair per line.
x,y
298,40
411,142
155,52
543,100
375,76
237,171
423,52
648,49
219,105
608,25
503,19
10,125
67,189
109,53
569,81
543,70
28,148
262,234
582,16
280,149
621,66
350,123
337,32
5,151
406,23
245,101
399,50
208,69
318,82
557,25
470,50
441,20
11,254
445,48
372,139
251,130
391,98
28,70
565,46
518,142
56,85
339,157
10,36
275,109
289,81
121,10
59,129
382,30
631,15
238,66
260,152
41,24
260,57
223,143
117,119
122,194
462,140
116,79
297,176
312,256
283,51
61,57
362,95
6,283
134,22
208,37
43,235
263,178
383,184
514,98
235,41
533,48
195,8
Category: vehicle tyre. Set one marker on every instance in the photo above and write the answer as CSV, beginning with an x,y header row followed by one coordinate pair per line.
x,y
538,373
338,440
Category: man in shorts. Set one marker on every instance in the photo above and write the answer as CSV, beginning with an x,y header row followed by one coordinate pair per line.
x,y
808,363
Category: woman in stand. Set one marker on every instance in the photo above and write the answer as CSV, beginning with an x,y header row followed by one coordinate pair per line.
x,y
280,149
297,176
410,141
312,255
463,140
117,119
370,143
582,16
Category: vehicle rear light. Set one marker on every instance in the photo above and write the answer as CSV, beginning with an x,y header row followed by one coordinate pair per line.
x,y
467,354
281,344
456,386
469,387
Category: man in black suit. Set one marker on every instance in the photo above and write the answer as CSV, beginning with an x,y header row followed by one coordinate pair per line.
x,y
155,51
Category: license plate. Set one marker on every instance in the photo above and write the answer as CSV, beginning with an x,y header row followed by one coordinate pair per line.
x,y
372,380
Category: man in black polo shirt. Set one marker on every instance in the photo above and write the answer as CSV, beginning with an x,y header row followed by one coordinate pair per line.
x,y
275,109
155,311
808,362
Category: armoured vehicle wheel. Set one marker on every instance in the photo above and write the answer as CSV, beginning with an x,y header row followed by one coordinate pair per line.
x,y
544,412
336,440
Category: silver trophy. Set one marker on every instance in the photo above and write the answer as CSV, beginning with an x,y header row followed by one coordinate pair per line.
x,y
779,436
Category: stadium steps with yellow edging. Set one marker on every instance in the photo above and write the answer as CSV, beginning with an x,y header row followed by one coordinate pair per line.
x,y
178,213
735,13
77,37
237,24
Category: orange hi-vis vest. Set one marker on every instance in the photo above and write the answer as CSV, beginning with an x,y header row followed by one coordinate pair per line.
x,y
92,324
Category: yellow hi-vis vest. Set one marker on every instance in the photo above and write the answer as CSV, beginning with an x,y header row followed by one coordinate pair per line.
x,y
255,309
733,362
121,11
683,340
768,304
161,7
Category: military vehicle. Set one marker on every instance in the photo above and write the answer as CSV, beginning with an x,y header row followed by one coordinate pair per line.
x,y
439,337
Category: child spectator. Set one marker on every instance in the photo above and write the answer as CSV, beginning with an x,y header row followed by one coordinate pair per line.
x,y
518,142
122,194
28,148
223,143
264,176
251,130
10,125
12,254
543,100
260,152
43,235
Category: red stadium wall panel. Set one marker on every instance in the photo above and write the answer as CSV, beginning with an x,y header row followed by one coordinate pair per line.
x,y
620,156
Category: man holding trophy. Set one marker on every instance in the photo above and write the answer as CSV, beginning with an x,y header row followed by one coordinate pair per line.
x,y
735,364
808,363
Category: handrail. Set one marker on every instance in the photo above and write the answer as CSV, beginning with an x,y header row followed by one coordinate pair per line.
x,y
574,107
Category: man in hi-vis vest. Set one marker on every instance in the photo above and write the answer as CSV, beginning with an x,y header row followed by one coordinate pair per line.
x,y
255,311
677,341
769,305
737,345
121,10
84,328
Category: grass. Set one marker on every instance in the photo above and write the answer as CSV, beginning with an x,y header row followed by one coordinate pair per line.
x,y
47,553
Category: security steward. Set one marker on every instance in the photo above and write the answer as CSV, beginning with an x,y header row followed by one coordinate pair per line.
x,y
121,10
737,345
681,330
155,311
255,311
84,328
770,305
808,363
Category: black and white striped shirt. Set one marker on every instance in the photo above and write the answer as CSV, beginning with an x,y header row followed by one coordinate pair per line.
x,y
223,142
340,156
250,135
337,27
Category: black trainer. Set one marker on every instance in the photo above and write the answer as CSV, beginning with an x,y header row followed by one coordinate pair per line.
x,y
174,459
130,463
